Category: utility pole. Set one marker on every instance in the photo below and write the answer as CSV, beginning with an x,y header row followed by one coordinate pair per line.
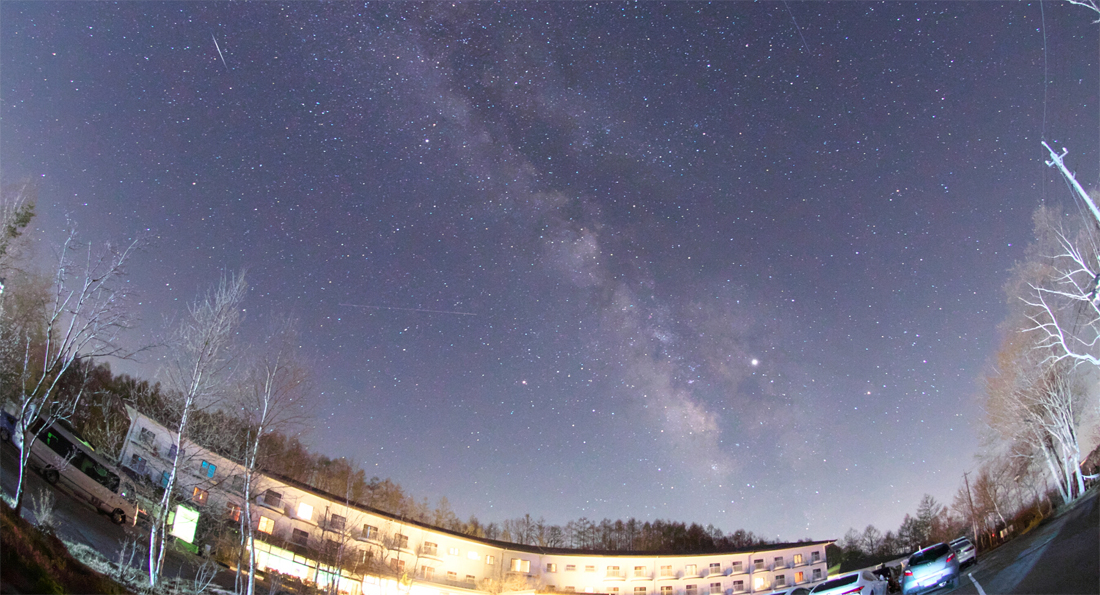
x,y
973,517
1057,160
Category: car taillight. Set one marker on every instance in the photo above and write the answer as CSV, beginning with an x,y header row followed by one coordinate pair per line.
x,y
908,573
951,556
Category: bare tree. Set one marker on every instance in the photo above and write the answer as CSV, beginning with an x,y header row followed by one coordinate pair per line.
x,y
80,317
1035,398
1092,5
1034,404
269,401
197,368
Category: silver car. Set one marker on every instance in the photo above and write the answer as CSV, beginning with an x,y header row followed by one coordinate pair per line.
x,y
965,550
931,568
863,582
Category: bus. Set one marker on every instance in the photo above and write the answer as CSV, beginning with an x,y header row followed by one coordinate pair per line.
x,y
60,456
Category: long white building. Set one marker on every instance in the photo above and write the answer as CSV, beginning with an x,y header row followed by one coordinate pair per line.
x,y
320,537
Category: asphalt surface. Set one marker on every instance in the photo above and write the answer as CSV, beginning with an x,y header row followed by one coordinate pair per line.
x,y
1061,556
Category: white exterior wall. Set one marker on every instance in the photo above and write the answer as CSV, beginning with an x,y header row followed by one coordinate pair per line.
x,y
456,564
191,473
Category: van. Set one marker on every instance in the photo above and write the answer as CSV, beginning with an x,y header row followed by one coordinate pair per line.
x,y
63,457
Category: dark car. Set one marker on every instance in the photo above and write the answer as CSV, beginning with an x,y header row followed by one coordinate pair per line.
x,y
931,568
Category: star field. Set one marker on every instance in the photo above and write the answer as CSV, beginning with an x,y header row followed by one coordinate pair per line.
x,y
735,264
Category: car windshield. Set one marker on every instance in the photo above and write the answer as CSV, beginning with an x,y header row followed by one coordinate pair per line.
x,y
929,555
836,582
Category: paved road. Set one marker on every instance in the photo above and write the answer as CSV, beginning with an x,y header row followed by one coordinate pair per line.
x,y
1062,556
80,522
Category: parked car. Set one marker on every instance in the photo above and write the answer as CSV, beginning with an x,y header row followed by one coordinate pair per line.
x,y
794,591
863,582
62,457
965,550
931,568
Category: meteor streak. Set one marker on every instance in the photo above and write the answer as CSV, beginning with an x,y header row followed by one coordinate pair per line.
x,y
219,51
411,309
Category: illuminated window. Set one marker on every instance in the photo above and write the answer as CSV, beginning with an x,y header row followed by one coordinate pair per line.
x,y
716,589
490,560
799,578
551,567
798,559
715,568
472,555
234,512
305,511
300,537
520,565
208,469
199,496
452,551
691,570
758,583
266,525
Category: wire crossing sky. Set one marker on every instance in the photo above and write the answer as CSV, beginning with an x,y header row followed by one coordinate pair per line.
x,y
735,264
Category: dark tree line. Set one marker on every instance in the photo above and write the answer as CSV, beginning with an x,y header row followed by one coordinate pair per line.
x,y
619,535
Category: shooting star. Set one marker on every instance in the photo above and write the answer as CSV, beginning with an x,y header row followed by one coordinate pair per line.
x,y
219,51
410,309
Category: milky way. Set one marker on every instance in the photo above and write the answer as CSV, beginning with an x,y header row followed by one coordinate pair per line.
x,y
735,264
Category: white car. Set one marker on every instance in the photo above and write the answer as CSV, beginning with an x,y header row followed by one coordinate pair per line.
x,y
965,551
863,582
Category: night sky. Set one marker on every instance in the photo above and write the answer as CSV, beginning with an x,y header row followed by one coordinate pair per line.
x,y
732,263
